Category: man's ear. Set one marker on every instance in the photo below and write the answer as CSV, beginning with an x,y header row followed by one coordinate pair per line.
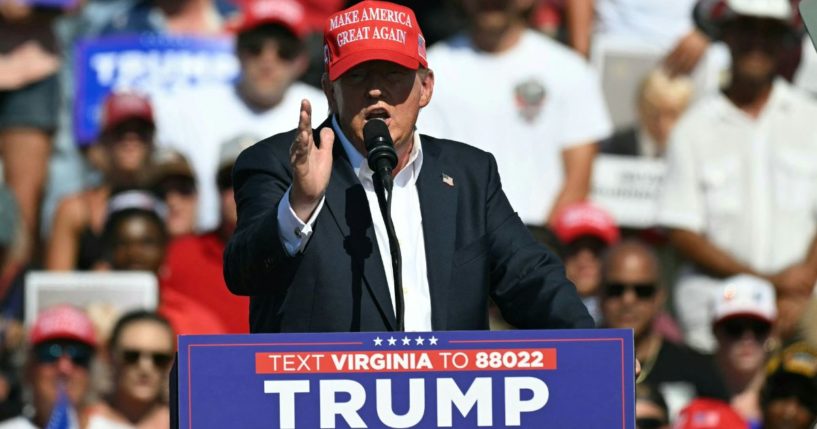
x,y
426,86
329,91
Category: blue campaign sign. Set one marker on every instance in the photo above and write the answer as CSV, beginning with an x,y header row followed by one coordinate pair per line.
x,y
61,4
542,379
155,65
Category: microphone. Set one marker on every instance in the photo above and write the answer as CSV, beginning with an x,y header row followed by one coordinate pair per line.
x,y
382,160
382,156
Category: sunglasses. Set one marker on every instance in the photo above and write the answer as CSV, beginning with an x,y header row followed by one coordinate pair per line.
x,y
143,130
51,352
735,328
181,185
593,244
649,423
159,360
642,290
255,46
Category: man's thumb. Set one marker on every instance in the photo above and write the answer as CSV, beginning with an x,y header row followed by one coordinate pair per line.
x,y
327,139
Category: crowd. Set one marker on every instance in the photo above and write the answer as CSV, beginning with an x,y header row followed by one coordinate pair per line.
x,y
718,290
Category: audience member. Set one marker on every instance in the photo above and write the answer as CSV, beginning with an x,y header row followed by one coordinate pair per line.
x,y
123,155
585,232
135,236
661,101
270,49
709,414
28,105
175,184
744,314
140,351
535,105
193,269
632,297
650,408
63,346
739,194
789,395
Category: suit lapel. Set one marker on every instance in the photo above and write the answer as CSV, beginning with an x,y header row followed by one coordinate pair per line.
x,y
347,203
438,204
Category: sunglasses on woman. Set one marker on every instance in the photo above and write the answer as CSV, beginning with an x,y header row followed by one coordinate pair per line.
x,y
158,359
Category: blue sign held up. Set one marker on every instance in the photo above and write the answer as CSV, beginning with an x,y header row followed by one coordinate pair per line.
x,y
149,64
500,379
59,4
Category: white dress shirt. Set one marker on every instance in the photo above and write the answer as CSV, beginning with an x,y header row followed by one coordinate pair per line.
x,y
408,225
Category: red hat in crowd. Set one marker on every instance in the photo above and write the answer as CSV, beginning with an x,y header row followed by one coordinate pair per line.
x,y
287,13
581,219
373,30
63,322
709,414
120,106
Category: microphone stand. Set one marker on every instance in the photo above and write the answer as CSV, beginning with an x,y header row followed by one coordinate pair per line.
x,y
381,187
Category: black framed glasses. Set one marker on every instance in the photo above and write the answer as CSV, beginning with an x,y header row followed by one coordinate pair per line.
x,y
736,328
158,359
50,352
641,290
649,423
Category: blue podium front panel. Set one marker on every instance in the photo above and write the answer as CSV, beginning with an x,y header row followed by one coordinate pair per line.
x,y
564,379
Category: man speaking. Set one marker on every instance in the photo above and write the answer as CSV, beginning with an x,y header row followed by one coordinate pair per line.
x,y
312,248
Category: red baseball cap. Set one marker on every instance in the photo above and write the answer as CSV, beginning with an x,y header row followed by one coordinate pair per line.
x,y
287,13
120,106
709,414
63,322
373,30
581,219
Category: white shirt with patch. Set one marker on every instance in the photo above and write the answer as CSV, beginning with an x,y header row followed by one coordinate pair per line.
x,y
525,106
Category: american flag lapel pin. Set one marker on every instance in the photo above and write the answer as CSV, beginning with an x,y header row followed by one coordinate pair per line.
x,y
448,180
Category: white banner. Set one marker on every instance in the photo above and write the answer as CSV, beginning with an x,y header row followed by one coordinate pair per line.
x,y
628,188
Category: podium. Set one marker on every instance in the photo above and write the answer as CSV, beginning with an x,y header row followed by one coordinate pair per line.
x,y
462,379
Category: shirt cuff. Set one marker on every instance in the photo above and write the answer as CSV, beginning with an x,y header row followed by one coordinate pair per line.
x,y
293,231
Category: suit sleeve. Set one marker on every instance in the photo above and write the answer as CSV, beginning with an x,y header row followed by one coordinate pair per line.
x,y
255,260
528,282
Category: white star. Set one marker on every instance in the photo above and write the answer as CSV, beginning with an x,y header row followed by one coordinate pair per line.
x,y
419,341
432,341
392,341
378,341
406,341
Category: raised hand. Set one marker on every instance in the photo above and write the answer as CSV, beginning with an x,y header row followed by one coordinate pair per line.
x,y
311,164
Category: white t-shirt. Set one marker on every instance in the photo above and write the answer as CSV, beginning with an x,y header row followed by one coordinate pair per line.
x,y
525,106
661,23
748,185
197,122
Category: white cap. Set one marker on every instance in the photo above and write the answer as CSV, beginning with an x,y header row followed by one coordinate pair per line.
x,y
745,295
229,150
774,9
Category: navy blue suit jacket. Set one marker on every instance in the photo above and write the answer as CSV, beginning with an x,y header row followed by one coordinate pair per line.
x,y
476,247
